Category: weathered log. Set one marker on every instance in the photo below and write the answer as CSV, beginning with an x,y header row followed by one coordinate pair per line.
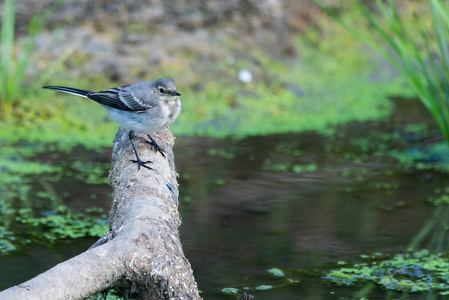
x,y
142,251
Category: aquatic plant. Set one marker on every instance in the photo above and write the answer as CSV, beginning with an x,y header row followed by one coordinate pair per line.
x,y
64,224
423,61
13,66
15,57
278,280
29,199
407,272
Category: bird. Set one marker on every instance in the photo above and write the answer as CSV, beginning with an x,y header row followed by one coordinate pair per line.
x,y
143,107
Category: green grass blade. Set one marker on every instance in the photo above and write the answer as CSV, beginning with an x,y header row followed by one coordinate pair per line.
x,y
35,26
364,38
12,66
427,75
406,55
440,8
7,40
442,67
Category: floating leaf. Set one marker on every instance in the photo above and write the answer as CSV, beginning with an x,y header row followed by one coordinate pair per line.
x,y
264,287
229,290
276,272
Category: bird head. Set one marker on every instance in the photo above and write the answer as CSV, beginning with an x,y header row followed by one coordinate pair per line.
x,y
165,89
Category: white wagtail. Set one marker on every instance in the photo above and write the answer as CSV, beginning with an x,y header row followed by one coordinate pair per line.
x,y
143,107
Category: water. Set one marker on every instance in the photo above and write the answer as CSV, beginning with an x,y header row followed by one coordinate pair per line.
x,y
241,218
257,220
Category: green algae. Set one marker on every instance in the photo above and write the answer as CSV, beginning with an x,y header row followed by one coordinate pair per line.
x,y
278,278
64,131
18,167
289,166
407,272
276,272
442,199
49,227
222,153
91,173
28,198
64,224
230,290
425,157
264,287
15,162
258,108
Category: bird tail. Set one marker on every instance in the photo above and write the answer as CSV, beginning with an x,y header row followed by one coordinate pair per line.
x,y
68,90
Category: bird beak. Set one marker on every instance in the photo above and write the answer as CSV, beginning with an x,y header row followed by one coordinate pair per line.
x,y
176,93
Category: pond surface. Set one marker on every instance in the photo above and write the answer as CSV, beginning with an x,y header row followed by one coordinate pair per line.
x,y
297,202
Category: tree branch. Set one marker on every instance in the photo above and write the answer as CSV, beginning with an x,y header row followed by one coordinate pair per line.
x,y
142,251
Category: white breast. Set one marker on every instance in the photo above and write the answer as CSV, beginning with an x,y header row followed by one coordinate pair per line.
x,y
165,111
149,121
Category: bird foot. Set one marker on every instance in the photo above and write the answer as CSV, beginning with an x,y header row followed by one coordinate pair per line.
x,y
139,163
155,146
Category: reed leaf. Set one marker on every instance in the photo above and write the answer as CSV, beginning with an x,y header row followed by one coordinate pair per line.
x,y
424,63
7,39
15,60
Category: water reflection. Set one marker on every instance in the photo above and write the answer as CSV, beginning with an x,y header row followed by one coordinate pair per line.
x,y
246,220
435,231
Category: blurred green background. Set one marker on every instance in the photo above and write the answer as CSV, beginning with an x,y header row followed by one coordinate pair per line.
x,y
307,72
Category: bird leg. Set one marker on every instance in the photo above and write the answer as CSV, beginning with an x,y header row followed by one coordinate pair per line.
x,y
138,160
155,145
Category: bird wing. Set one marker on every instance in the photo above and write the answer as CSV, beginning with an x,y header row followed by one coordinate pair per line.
x,y
109,98
135,101
121,98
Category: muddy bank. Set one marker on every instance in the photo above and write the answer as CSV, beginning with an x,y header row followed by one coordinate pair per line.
x,y
117,38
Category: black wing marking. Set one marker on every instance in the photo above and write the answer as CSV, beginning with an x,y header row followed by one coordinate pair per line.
x,y
107,101
110,97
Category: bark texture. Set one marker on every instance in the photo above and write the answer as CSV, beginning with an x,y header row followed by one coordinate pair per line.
x,y
142,252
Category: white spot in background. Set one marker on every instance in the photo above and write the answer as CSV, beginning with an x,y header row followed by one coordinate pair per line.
x,y
245,76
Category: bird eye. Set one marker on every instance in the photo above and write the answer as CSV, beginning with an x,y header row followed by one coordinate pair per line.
x,y
161,89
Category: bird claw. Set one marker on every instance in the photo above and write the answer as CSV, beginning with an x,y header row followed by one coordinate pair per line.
x,y
142,163
155,146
